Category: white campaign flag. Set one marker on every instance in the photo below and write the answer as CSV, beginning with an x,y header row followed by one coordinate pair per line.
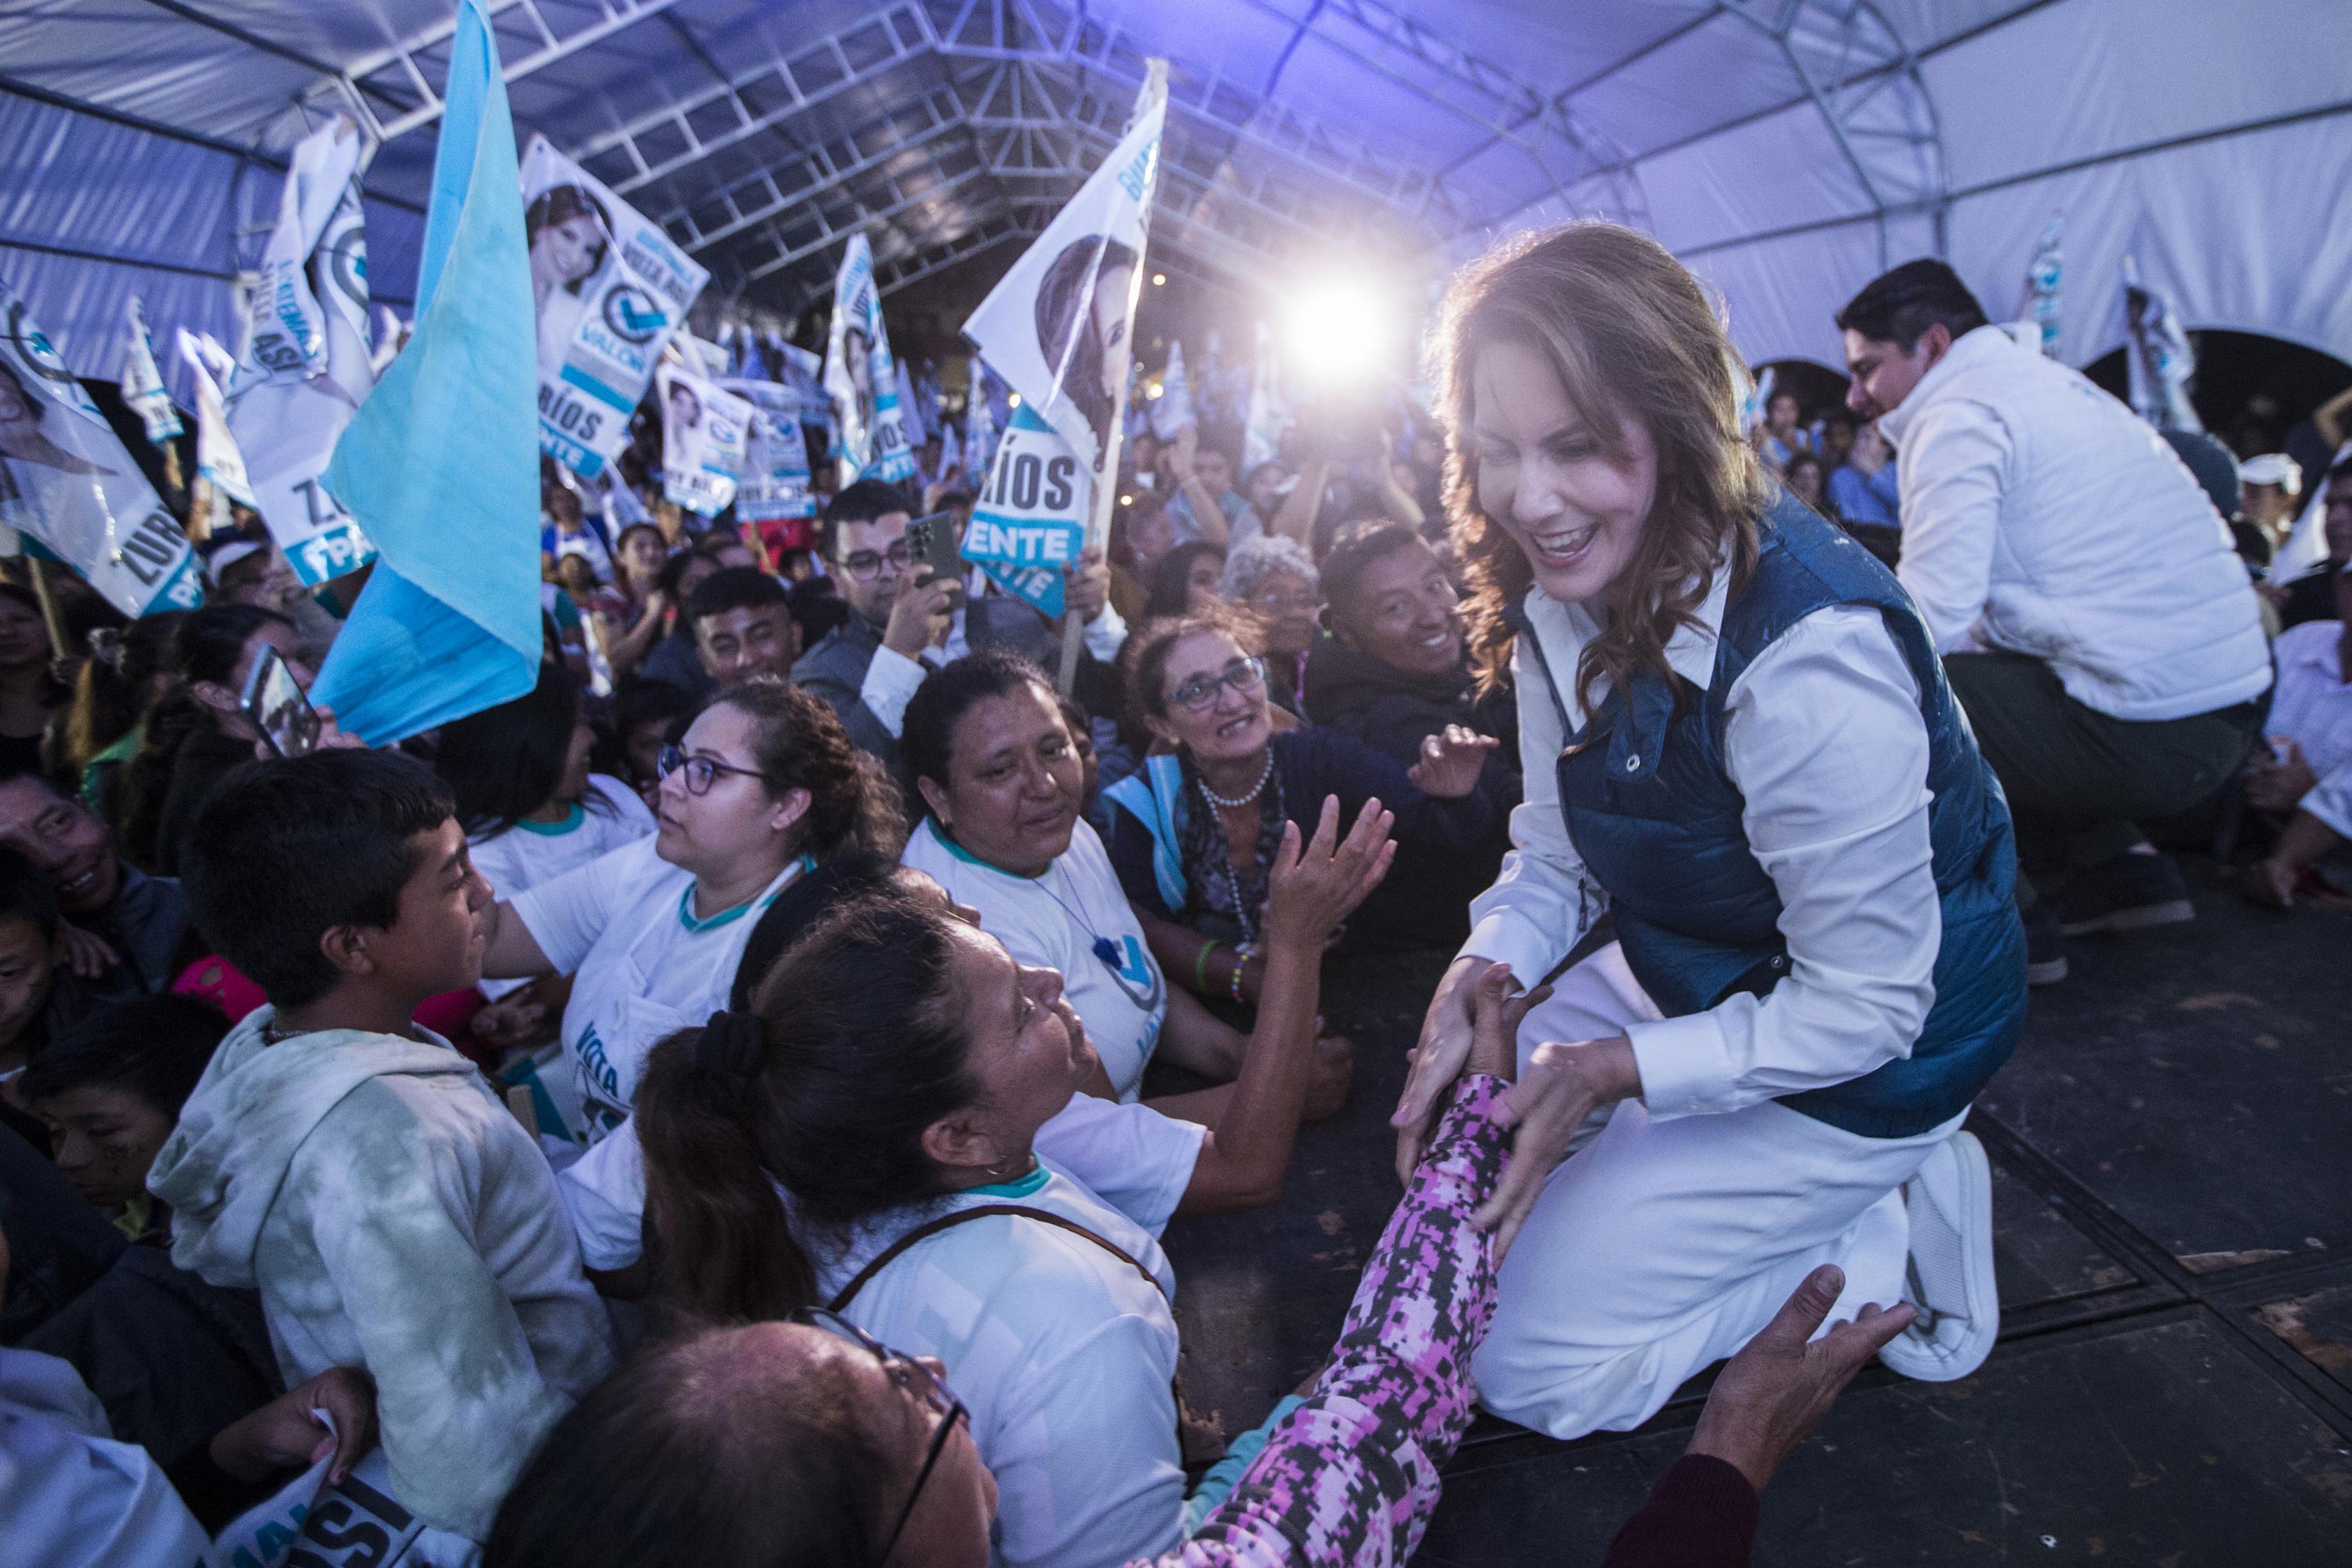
x,y
305,366
220,466
1269,411
2161,361
1172,410
861,378
142,381
610,288
776,479
704,430
65,479
1056,330
2041,279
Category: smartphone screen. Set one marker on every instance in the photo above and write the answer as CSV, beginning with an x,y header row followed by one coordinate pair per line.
x,y
275,703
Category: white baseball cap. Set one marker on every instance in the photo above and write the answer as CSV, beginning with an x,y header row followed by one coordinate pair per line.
x,y
2272,469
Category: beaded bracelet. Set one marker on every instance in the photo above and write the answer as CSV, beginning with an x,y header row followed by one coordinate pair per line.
x,y
1241,962
1201,964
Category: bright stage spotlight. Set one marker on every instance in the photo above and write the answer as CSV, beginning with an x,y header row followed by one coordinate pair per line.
x,y
1341,330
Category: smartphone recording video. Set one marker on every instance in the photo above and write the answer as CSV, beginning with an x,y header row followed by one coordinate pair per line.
x,y
288,724
934,543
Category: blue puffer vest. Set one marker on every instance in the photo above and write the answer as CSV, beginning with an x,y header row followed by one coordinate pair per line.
x,y
1649,804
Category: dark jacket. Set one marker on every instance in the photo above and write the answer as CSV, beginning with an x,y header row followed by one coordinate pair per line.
x,y
835,671
205,758
147,926
1393,710
679,662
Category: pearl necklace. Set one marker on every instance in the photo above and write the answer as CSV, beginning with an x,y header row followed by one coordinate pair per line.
x,y
1237,802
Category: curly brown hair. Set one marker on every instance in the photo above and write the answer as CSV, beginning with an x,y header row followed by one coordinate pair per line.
x,y
800,745
1632,335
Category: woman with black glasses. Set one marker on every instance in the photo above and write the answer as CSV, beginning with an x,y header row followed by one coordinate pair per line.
x,y
1194,833
763,785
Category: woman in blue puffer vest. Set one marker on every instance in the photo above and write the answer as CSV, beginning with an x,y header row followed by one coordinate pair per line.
x,y
1738,746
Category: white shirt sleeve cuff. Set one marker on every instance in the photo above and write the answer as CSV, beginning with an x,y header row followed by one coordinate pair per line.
x,y
1684,1064
891,683
2330,800
1106,634
1504,938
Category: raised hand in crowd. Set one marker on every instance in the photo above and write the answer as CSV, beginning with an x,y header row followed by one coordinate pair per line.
x,y
921,617
1451,761
1312,888
1086,584
85,952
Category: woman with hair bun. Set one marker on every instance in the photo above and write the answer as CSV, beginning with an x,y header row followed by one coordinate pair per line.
x,y
1737,740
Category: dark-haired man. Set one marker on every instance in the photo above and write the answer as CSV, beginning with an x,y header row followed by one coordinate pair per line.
x,y
2097,625
743,623
869,667
144,919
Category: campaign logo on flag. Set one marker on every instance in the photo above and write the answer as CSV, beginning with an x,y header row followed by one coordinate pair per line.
x,y
608,288
776,479
1032,522
861,378
305,366
66,480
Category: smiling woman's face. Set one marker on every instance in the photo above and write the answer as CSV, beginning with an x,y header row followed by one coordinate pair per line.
x,y
1011,797
1234,723
1576,512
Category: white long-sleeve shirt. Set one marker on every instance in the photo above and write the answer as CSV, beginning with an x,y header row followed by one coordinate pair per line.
x,y
2041,516
1825,738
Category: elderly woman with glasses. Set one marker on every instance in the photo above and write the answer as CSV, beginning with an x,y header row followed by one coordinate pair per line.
x,y
762,786
1274,578
1193,834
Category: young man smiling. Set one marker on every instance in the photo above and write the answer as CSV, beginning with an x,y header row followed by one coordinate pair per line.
x,y
353,1167
144,919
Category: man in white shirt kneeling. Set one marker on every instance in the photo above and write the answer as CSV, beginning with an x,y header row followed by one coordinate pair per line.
x,y
2095,624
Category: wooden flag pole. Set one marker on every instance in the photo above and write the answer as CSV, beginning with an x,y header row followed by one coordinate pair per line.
x,y
1155,84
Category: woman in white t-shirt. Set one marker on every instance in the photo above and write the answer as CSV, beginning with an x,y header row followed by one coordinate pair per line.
x,y
896,1072
985,744
531,812
764,784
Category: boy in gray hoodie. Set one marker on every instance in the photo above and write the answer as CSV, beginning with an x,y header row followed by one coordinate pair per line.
x,y
355,1168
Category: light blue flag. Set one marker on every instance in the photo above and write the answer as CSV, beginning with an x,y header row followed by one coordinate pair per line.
x,y
441,463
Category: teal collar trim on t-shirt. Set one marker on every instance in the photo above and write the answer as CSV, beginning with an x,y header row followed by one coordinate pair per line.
x,y
571,823
1021,1187
960,853
686,900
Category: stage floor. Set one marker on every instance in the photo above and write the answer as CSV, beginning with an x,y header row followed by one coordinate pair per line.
x,y
2172,1152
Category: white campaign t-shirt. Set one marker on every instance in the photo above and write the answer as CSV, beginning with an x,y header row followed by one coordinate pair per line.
x,y
1074,917
518,859
624,926
1062,1355
1130,1156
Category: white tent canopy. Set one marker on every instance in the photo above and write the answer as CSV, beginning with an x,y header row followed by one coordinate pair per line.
x,y
1790,150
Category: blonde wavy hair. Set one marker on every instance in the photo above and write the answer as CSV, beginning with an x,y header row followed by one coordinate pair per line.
x,y
1632,335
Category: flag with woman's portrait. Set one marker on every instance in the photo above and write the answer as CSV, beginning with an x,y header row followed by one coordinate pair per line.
x,y
67,481
608,288
1056,330
861,377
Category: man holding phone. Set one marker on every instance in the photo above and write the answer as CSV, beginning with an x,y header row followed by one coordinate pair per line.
x,y
907,613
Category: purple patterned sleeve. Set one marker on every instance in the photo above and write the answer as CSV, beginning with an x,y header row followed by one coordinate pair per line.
x,y
1350,1477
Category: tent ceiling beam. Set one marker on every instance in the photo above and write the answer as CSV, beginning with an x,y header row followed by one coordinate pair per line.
x,y
404,58
1024,30
835,228
339,83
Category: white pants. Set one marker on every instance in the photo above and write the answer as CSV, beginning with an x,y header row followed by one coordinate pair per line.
x,y
1660,1247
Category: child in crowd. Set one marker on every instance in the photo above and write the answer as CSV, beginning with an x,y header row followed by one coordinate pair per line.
x,y
111,1091
356,1169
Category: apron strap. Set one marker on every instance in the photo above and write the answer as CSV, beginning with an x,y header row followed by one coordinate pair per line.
x,y
930,1228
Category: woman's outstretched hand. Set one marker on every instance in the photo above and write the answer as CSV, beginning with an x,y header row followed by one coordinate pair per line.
x,y
1451,761
1768,1396
1473,1024
1310,889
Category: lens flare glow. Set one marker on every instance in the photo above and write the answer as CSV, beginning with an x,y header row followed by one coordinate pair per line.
x,y
1340,329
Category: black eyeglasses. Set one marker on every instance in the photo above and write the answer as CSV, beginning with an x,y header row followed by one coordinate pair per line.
x,y
701,772
1198,694
865,564
905,1372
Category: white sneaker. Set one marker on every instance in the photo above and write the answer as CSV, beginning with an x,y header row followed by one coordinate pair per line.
x,y
1950,1276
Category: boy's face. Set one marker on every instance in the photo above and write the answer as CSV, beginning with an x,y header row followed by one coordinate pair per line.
x,y
435,942
25,969
105,1139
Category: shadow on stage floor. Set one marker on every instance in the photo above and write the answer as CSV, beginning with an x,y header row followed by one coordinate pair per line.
x,y
2172,1149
